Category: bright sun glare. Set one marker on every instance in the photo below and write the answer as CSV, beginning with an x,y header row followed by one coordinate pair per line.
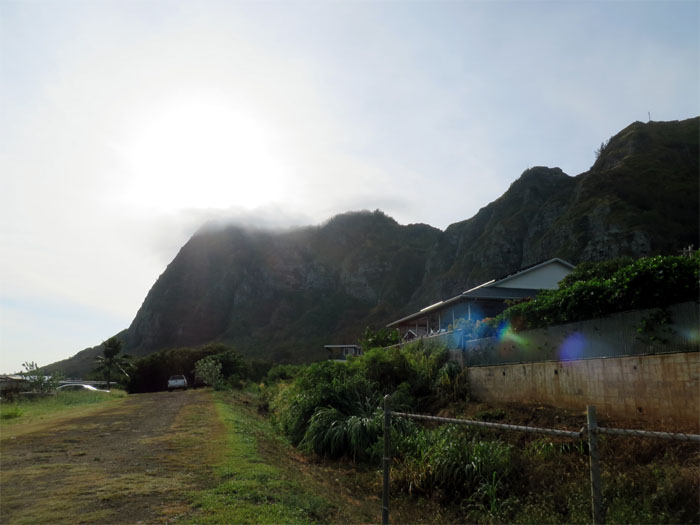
x,y
198,153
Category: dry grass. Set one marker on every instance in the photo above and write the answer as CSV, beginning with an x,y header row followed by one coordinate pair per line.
x,y
263,479
122,464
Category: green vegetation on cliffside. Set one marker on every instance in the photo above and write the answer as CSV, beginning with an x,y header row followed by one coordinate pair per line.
x,y
282,295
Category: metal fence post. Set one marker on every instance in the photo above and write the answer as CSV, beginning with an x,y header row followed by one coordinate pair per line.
x,y
386,461
594,455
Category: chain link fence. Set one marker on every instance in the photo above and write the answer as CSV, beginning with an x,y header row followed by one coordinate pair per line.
x,y
614,450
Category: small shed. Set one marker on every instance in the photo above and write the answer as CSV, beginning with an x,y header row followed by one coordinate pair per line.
x,y
12,384
342,352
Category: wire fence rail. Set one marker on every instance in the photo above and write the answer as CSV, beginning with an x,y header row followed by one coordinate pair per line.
x,y
649,434
591,431
500,426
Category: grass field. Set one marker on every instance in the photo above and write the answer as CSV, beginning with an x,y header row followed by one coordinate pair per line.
x,y
53,405
115,461
209,457
261,479
181,457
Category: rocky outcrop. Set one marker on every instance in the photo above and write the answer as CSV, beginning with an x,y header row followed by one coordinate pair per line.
x,y
283,291
639,198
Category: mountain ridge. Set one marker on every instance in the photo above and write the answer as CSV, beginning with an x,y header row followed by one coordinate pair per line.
x,y
283,294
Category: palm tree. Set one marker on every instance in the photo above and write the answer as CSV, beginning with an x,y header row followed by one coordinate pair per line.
x,y
111,360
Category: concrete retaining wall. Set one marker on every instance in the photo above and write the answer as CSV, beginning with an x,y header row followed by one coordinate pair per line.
x,y
656,387
638,332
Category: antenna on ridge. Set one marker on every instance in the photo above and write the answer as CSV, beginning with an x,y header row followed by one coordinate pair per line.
x,y
649,113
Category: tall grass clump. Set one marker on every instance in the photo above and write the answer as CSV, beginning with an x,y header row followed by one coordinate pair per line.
x,y
334,409
10,411
80,398
453,464
322,385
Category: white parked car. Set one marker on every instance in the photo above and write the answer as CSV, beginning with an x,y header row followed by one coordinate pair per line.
x,y
176,382
78,388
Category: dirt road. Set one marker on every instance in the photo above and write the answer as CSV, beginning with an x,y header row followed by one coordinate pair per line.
x,y
128,463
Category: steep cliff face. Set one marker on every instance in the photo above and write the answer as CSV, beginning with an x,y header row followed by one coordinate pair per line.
x,y
282,295
639,198
502,237
279,291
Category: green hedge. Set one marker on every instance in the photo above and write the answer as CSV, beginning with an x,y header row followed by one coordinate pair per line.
x,y
151,372
595,290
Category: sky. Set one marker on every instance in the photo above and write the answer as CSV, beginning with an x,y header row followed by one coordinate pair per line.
x,y
126,125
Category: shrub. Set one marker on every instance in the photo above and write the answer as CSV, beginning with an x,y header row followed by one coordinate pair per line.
x,y
450,463
594,290
209,371
586,271
151,372
332,433
279,373
415,371
426,360
334,409
258,369
654,493
10,411
387,367
452,383
234,368
323,384
476,329
379,338
38,382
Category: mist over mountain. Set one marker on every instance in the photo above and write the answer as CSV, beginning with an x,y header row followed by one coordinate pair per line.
x,y
282,295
